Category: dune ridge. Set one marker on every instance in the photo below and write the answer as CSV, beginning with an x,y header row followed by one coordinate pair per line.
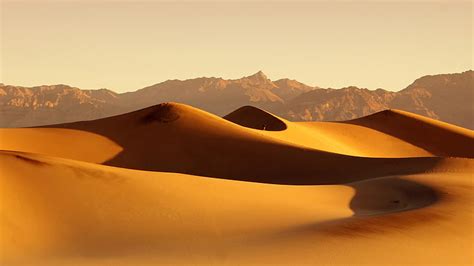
x,y
196,142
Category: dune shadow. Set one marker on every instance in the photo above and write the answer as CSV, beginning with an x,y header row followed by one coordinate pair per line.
x,y
382,205
390,194
252,117
30,160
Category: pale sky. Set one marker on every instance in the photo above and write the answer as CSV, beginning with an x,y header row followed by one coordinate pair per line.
x,y
127,45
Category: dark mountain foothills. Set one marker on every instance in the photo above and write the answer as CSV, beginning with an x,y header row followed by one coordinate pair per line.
x,y
446,97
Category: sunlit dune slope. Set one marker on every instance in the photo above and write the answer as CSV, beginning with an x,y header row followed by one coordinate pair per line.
x,y
67,143
435,136
63,212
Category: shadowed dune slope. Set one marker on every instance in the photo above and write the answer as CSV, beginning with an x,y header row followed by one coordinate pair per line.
x,y
437,137
64,212
252,117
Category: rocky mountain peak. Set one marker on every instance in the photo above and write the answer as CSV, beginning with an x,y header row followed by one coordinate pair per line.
x,y
258,77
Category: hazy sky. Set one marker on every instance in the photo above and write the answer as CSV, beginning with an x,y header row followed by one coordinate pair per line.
x,y
125,46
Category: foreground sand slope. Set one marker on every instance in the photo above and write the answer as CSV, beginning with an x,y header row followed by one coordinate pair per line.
x,y
63,212
58,207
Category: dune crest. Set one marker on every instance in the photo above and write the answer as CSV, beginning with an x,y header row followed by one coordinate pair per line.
x,y
162,113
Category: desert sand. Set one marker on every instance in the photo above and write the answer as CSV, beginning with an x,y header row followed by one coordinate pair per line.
x,y
173,184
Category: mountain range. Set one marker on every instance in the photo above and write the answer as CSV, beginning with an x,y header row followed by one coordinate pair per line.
x,y
446,97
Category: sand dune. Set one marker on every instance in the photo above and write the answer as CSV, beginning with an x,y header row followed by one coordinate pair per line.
x,y
78,208
76,212
178,138
437,137
187,123
395,133
164,185
332,137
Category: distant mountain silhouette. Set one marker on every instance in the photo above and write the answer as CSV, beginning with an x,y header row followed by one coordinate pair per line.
x,y
20,106
215,95
447,97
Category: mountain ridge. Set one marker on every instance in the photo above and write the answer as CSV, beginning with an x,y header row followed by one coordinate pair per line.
x,y
445,97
